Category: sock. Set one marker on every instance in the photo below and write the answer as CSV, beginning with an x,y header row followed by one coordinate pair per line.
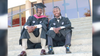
x,y
50,48
67,47
43,43
24,44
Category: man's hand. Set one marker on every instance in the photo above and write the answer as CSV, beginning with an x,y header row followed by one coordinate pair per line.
x,y
34,27
56,30
29,29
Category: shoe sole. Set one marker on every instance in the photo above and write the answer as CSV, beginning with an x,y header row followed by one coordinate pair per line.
x,y
68,52
43,54
50,53
23,55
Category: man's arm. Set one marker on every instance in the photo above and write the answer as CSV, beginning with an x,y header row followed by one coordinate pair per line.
x,y
38,26
68,25
44,24
53,28
50,27
28,23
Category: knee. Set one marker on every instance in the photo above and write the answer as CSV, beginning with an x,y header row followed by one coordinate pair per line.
x,y
25,31
49,37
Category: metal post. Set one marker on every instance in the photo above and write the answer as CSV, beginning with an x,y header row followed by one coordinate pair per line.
x,y
90,6
43,8
53,3
20,20
77,8
31,9
19,16
20,12
65,8
11,16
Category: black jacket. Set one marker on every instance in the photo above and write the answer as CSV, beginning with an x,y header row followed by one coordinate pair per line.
x,y
63,22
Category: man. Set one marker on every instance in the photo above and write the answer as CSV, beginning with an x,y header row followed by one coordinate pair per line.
x,y
59,32
34,31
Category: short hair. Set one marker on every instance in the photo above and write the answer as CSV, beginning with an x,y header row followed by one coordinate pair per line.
x,y
56,7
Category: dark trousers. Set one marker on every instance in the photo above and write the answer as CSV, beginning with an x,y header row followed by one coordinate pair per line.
x,y
67,40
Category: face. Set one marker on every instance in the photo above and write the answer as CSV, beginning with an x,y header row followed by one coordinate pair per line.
x,y
56,12
39,12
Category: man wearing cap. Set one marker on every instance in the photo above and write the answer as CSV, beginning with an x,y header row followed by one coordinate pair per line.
x,y
34,31
59,32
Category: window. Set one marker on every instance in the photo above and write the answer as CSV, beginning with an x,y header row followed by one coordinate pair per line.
x,y
23,14
9,18
15,20
83,7
49,8
22,7
71,9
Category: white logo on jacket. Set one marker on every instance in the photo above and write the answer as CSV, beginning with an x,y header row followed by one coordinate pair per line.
x,y
40,21
62,23
54,23
33,21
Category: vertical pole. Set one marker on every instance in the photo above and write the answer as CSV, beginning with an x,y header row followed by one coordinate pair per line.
x,y
90,6
43,8
11,16
65,8
27,6
31,9
20,20
53,3
77,8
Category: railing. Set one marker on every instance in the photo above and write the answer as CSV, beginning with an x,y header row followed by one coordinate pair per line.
x,y
20,21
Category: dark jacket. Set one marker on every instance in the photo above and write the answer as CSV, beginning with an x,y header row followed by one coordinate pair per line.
x,y
64,31
31,22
